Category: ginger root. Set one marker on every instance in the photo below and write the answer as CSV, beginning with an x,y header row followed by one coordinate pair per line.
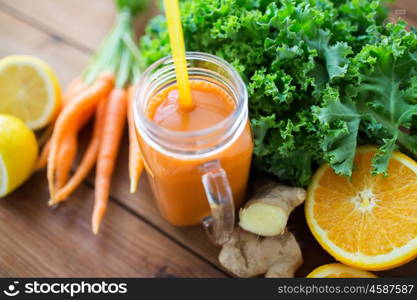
x,y
248,255
267,212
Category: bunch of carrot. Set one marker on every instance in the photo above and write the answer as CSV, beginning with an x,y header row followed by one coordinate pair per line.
x,y
104,92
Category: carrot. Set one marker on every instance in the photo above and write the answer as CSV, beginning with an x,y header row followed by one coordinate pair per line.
x,y
46,134
66,156
68,151
135,158
112,133
43,157
89,158
67,120
72,90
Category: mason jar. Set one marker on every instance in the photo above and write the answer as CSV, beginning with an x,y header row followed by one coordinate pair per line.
x,y
197,177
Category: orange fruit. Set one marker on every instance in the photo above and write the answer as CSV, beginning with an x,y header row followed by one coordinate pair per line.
x,y
368,222
339,271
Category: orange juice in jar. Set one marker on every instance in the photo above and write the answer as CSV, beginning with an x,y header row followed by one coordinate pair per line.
x,y
197,160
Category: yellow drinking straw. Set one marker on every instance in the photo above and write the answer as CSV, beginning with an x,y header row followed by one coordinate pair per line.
x,y
176,38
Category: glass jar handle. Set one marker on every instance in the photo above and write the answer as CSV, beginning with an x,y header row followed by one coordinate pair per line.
x,y
220,224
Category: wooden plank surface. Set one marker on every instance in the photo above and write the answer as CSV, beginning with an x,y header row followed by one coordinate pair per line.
x,y
19,38
84,23
64,32
405,9
79,22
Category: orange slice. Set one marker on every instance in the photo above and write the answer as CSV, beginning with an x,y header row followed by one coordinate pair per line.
x,y
339,271
368,222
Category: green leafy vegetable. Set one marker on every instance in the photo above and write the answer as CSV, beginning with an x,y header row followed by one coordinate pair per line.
x,y
323,76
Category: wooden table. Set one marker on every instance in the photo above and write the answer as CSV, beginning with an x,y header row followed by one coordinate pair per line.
x,y
134,241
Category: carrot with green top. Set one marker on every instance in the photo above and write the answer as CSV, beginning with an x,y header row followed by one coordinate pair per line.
x,y
115,119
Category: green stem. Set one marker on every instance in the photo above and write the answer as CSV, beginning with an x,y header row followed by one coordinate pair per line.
x,y
134,50
109,55
390,127
124,69
138,64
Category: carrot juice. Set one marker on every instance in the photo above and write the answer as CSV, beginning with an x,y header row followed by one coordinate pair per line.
x,y
178,144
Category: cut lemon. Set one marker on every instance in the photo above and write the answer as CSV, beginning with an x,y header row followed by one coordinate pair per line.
x,y
29,90
18,153
368,222
339,271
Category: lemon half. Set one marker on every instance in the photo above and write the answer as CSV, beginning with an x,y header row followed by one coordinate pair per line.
x,y
29,90
18,153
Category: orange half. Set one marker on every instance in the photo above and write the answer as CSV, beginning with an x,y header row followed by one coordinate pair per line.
x,y
368,222
339,271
